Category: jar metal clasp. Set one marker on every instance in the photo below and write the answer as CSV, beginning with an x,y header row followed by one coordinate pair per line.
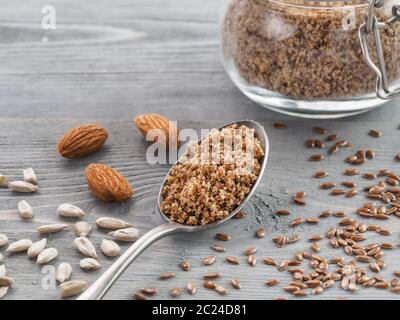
x,y
373,26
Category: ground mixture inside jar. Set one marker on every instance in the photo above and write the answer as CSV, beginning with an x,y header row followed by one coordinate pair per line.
x,y
305,49
213,177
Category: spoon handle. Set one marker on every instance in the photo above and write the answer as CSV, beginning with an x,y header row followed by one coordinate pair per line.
x,y
100,287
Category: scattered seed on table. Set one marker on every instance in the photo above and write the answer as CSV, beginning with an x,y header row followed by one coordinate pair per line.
x,y
319,144
316,157
208,261
240,215
252,260
221,290
299,201
315,247
139,296
185,265
325,214
337,192
270,261
397,157
166,275
175,292
235,283
272,282
296,222
191,288
149,291
320,174
250,251
211,275
299,194
370,154
232,260
218,248
279,125
369,176
283,265
312,220
223,236
320,130
349,184
327,185
375,133
315,237
334,149
351,172
260,233
351,193
332,137
282,212
208,284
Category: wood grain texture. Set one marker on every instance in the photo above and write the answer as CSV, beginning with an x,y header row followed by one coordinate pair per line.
x,y
109,61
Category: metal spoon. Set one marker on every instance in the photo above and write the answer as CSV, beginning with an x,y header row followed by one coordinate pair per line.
x,y
100,287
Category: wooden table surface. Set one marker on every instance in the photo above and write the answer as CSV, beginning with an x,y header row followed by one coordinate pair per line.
x,y
108,61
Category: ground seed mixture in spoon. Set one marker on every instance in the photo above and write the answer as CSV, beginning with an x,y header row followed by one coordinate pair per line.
x,y
213,177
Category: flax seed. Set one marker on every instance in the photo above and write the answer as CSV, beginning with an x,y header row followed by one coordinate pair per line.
x,y
351,172
320,174
240,215
375,133
235,283
351,193
191,288
282,212
315,237
369,176
208,261
320,130
316,157
319,144
334,149
370,154
272,282
296,222
349,184
185,266
260,233
270,261
209,284
312,220
252,260
211,275
299,201
223,236
279,125
250,251
327,185
325,214
283,265
337,192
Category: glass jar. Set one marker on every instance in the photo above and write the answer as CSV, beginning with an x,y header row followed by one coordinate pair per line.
x,y
315,59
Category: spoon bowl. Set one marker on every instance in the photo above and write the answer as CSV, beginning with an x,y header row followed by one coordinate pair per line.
x,y
101,286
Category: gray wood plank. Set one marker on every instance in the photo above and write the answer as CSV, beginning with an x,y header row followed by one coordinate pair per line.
x,y
107,62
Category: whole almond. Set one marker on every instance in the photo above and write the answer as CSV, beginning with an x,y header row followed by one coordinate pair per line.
x,y
89,264
25,210
36,248
127,235
19,246
72,288
23,187
82,228
67,210
85,247
52,228
81,141
108,184
112,223
30,176
3,240
157,127
110,248
46,256
63,272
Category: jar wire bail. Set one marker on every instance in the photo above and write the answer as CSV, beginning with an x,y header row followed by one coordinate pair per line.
x,y
372,26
